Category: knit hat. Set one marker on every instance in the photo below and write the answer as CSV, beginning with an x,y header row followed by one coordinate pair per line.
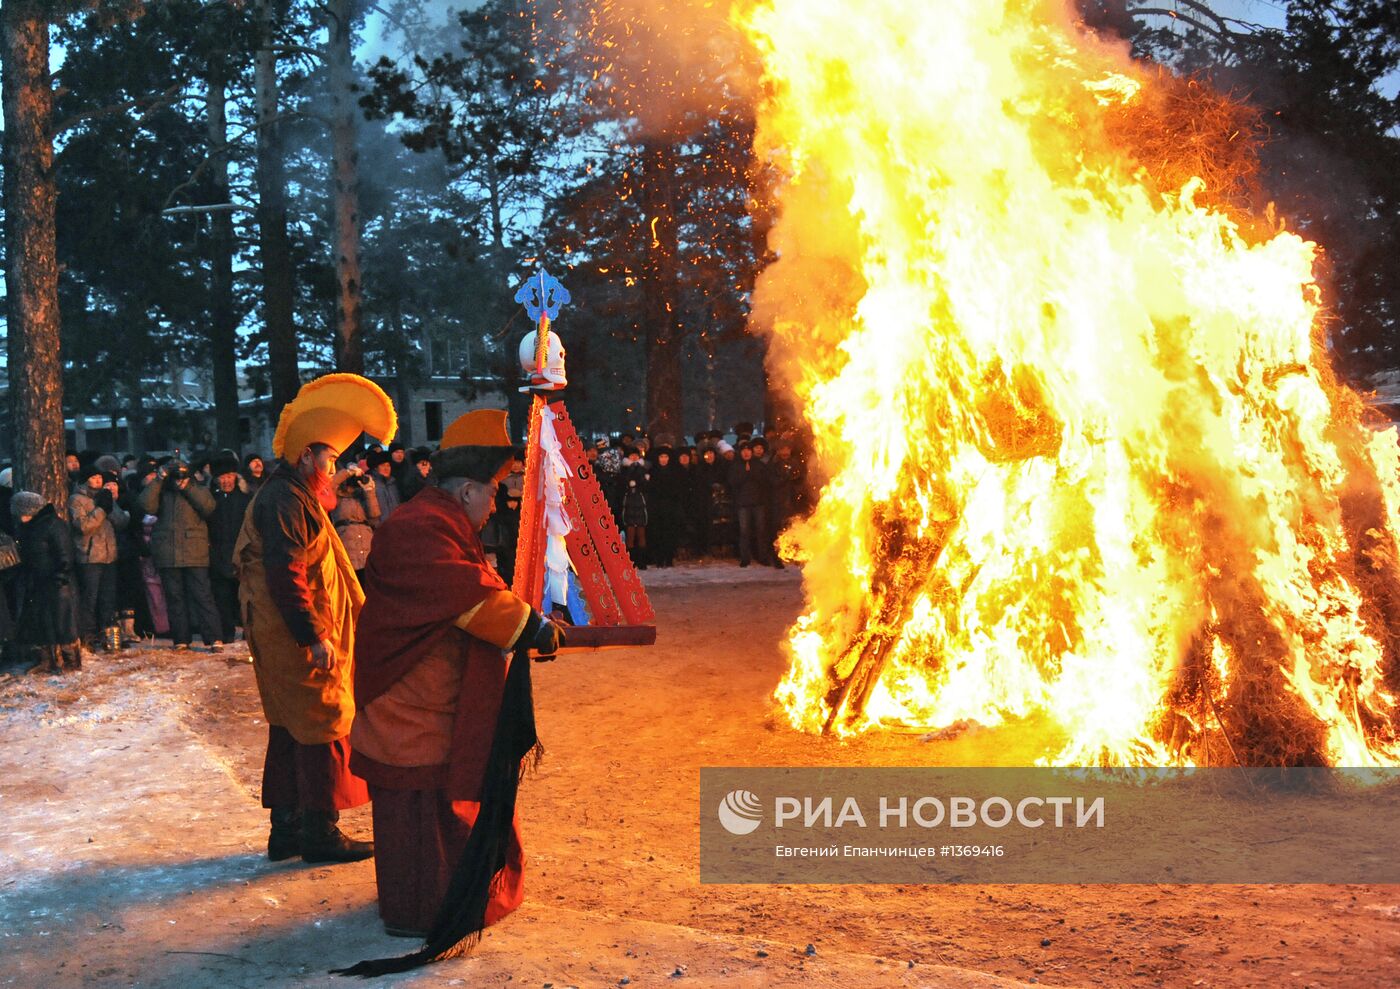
x,y
24,503
334,409
475,446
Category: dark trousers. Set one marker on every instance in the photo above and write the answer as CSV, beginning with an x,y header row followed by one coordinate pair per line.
x,y
97,608
131,594
753,534
226,600
188,597
309,777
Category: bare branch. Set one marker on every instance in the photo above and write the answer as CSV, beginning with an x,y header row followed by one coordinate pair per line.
x,y
149,105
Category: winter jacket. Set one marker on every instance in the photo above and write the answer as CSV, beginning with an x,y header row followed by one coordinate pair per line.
x,y
49,612
386,492
131,540
224,525
667,489
785,477
356,515
634,508
94,528
180,537
748,483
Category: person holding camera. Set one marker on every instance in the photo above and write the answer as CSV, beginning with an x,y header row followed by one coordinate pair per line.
x,y
180,551
95,516
231,500
356,514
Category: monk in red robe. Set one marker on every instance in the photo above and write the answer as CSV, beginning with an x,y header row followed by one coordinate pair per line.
x,y
432,657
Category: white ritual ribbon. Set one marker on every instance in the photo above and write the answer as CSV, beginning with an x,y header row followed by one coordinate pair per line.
x,y
556,524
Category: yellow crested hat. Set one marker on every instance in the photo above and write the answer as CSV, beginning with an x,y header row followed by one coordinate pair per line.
x,y
334,409
476,445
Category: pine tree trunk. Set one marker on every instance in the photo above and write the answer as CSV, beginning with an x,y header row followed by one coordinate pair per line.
x,y
31,272
660,310
224,318
274,246
345,182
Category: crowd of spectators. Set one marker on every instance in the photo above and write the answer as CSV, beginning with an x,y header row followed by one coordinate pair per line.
x,y
144,546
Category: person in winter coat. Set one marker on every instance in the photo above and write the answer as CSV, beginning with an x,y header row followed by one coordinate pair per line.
x,y
634,521
96,517
47,629
717,515
254,472
386,488
509,497
180,549
787,476
748,482
356,515
132,552
692,501
664,497
231,500
608,470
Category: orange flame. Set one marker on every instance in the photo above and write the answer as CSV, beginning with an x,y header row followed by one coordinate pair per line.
x,y
1088,470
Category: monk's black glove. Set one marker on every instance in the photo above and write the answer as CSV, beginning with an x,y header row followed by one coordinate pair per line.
x,y
541,635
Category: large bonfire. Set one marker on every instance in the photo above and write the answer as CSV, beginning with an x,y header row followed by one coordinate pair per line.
x,y
1088,470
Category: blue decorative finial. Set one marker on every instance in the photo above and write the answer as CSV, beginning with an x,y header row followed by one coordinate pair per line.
x,y
542,293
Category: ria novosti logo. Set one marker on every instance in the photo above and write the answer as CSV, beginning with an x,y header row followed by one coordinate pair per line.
x,y
740,812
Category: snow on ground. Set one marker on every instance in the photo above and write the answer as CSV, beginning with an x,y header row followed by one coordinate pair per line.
x,y
132,850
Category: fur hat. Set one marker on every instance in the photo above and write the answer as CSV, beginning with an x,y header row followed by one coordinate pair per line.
x,y
225,462
758,441
334,409
475,446
24,503
376,458
107,462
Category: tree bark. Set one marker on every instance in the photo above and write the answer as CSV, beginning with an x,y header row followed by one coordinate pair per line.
x,y
223,331
274,246
660,310
31,271
345,184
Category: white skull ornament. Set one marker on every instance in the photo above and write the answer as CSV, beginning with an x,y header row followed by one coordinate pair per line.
x,y
552,378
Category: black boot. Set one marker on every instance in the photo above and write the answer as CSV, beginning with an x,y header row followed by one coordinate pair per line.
x,y
322,841
284,841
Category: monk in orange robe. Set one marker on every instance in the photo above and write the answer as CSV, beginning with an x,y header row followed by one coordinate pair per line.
x,y
299,597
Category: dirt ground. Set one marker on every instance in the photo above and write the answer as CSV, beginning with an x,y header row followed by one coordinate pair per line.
x,y
132,846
